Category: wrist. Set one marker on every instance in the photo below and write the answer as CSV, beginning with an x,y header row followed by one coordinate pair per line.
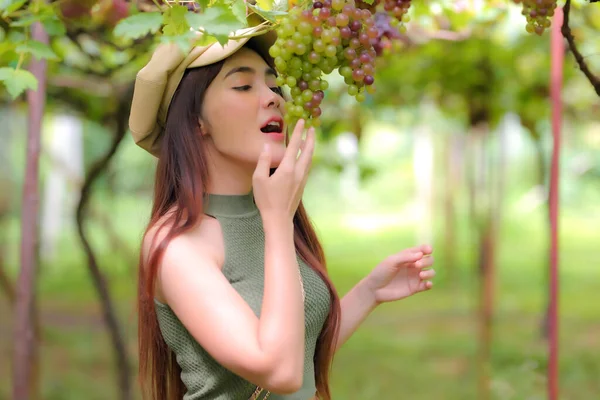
x,y
277,222
367,293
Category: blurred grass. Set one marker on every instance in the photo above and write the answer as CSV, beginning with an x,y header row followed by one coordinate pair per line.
x,y
423,347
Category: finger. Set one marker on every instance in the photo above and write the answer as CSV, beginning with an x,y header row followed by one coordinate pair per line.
x,y
405,256
425,249
427,275
264,163
426,261
305,159
425,285
291,151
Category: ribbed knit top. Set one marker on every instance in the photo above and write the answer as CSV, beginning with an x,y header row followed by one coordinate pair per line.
x,y
244,244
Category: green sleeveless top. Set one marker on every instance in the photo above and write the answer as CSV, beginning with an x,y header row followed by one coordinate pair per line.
x,y
244,244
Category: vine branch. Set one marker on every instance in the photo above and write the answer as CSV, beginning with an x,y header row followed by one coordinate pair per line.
x,y
567,34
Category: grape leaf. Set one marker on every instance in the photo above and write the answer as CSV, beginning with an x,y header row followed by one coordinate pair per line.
x,y
138,25
263,4
217,21
369,2
175,21
26,20
183,41
238,8
38,49
205,40
268,15
10,6
17,81
54,27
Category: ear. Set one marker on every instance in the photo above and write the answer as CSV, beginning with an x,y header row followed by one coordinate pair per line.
x,y
202,127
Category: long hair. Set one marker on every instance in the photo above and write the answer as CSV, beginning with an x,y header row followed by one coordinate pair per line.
x,y
180,184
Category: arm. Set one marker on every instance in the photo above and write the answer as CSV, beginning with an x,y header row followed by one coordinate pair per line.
x,y
268,351
356,305
398,276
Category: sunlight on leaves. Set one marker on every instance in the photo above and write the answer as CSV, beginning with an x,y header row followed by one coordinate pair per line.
x,y
175,21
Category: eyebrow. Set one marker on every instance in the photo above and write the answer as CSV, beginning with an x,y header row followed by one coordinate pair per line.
x,y
244,69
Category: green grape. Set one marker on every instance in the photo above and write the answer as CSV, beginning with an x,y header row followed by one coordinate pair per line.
x,y
290,81
280,64
319,46
305,28
346,71
296,73
300,48
330,51
307,95
275,51
286,53
295,63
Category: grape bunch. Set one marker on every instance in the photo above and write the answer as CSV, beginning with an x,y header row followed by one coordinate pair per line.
x,y
538,14
330,35
388,29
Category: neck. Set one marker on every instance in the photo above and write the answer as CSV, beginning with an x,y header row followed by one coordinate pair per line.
x,y
228,176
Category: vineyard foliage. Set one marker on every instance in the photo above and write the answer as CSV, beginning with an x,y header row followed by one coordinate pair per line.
x,y
362,41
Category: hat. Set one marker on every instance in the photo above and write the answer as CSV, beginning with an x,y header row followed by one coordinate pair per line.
x,y
156,82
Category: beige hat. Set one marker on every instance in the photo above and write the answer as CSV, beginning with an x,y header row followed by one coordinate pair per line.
x,y
156,83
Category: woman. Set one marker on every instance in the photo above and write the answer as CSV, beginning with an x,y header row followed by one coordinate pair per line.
x,y
234,298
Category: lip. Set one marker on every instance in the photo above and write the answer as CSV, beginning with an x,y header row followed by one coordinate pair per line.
x,y
274,119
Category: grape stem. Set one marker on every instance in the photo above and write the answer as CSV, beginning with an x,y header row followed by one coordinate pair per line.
x,y
567,34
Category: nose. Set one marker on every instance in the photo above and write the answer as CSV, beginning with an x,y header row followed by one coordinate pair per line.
x,y
270,98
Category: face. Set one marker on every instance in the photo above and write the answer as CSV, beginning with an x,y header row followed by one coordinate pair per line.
x,y
243,109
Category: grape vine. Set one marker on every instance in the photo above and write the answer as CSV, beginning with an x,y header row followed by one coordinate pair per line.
x,y
329,35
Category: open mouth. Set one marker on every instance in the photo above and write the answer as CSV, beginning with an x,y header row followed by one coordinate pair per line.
x,y
274,125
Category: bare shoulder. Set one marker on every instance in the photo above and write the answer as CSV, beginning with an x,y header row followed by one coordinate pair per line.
x,y
200,246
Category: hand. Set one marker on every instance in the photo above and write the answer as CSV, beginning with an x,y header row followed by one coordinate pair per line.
x,y
279,195
402,274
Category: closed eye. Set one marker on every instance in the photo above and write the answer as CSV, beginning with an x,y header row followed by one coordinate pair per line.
x,y
245,88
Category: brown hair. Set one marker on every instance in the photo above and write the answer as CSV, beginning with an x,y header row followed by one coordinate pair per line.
x,y
180,183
